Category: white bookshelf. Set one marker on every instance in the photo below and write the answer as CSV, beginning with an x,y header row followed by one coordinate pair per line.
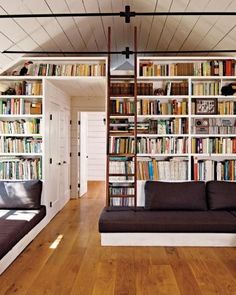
x,y
14,157
161,81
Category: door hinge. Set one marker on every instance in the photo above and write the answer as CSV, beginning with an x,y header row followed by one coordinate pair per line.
x,y
78,122
50,161
50,117
79,154
70,122
78,185
70,187
70,154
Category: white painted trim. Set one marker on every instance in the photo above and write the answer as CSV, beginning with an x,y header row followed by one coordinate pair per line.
x,y
169,239
20,246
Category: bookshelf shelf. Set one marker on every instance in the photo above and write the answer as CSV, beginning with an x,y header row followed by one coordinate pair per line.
x,y
162,135
120,174
213,116
22,154
160,116
20,135
214,155
22,96
122,196
21,116
162,155
162,96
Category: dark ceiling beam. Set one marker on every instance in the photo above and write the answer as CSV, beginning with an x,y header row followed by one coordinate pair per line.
x,y
125,52
127,14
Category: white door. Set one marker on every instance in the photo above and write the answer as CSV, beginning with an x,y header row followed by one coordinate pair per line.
x,y
83,159
54,157
64,156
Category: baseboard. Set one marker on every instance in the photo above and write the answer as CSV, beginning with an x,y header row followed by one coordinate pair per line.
x,y
169,239
20,246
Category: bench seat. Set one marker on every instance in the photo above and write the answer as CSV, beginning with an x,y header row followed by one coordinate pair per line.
x,y
15,224
128,220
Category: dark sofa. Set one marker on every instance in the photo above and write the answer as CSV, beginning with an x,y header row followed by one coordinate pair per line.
x,y
186,207
20,211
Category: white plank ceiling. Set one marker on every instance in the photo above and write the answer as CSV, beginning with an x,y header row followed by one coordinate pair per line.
x,y
90,34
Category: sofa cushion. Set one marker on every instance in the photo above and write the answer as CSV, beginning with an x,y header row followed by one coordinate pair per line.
x,y
175,196
167,221
20,194
15,224
221,195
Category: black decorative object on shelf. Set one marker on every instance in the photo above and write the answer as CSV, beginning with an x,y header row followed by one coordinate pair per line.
x,y
228,89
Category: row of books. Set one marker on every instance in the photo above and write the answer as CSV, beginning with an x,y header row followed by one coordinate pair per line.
x,y
154,169
206,170
121,165
121,189
124,202
95,69
214,145
121,145
164,145
20,168
206,88
20,106
156,107
27,88
224,107
122,107
177,88
214,126
32,126
123,88
149,126
201,68
20,145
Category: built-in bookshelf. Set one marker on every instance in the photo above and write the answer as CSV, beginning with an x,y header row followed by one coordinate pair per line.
x,y
21,131
59,67
196,96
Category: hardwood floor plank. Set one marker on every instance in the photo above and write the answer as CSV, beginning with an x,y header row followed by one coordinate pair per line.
x,y
184,276
212,276
162,280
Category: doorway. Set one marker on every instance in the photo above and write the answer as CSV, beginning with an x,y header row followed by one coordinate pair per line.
x,y
92,149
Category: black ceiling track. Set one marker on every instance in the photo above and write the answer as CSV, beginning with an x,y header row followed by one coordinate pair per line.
x,y
127,14
127,52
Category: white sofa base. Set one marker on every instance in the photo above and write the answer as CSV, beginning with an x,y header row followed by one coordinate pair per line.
x,y
169,239
20,246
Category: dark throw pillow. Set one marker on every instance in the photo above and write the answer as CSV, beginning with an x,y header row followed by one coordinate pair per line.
x,y
20,194
221,195
175,195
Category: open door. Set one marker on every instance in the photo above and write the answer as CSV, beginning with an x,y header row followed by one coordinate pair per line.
x,y
83,159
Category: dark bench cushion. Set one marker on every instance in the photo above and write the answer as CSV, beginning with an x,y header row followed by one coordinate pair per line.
x,y
221,195
15,224
167,221
175,196
20,194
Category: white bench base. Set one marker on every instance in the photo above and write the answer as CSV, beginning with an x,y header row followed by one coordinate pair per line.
x,y
169,239
21,245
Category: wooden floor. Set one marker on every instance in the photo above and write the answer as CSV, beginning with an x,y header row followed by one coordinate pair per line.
x,y
79,265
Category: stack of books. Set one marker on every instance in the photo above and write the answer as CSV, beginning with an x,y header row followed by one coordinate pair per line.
x,y
20,106
32,126
20,145
214,145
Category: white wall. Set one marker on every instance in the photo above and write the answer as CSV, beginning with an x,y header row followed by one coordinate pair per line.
x,y
96,146
80,104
